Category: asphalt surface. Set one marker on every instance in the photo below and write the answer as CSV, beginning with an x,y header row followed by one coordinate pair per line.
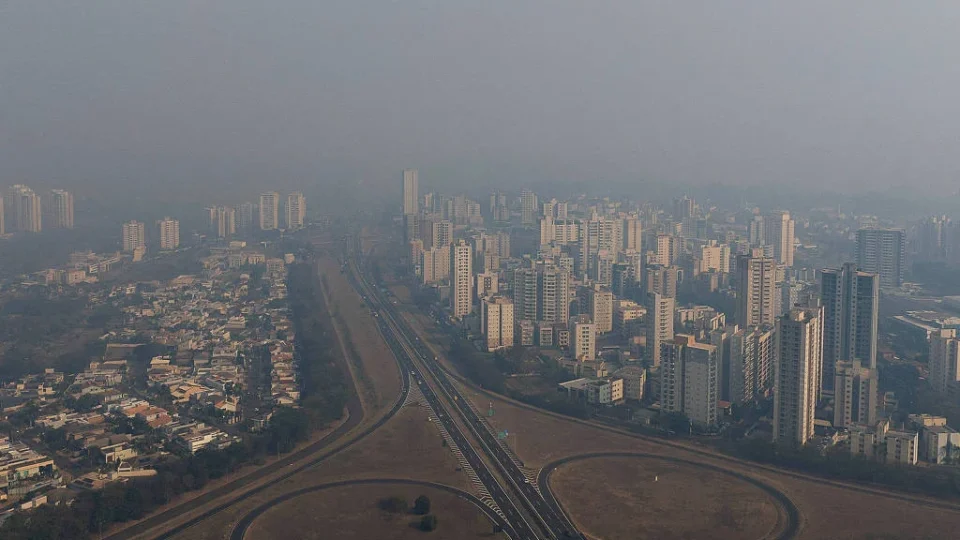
x,y
241,529
355,411
788,521
550,522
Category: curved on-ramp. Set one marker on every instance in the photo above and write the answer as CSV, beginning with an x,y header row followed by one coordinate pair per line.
x,y
240,530
788,516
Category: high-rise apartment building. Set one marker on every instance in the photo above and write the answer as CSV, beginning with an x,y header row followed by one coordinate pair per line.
x,y
226,221
851,303
583,338
779,233
690,379
296,211
659,325
945,361
169,229
529,208
132,235
668,249
856,394
435,265
662,280
799,362
488,285
269,211
881,251
411,192
499,208
27,212
600,305
246,216
461,279
61,208
525,294
553,295
751,354
683,208
632,234
756,290
497,315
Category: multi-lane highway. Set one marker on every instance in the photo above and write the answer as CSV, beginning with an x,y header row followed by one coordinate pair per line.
x,y
550,522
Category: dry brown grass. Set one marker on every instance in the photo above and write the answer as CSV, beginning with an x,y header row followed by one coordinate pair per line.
x,y
377,372
351,512
614,498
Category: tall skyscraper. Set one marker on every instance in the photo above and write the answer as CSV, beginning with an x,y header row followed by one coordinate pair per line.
x,y
269,211
881,251
632,234
62,208
169,233
499,209
600,300
27,213
856,395
435,264
583,338
411,192
851,303
525,294
945,361
750,363
529,208
296,211
683,208
659,325
552,295
226,221
246,214
756,290
497,315
690,379
132,235
799,362
461,279
779,233
662,280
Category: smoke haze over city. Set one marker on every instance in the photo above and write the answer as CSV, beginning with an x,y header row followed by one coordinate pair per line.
x,y
848,96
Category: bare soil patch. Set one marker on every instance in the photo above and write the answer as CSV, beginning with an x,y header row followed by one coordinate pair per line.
x,y
616,497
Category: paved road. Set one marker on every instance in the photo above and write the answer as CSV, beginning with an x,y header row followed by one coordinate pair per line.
x,y
241,529
550,523
788,520
355,411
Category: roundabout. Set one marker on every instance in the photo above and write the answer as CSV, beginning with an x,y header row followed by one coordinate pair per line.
x,y
613,495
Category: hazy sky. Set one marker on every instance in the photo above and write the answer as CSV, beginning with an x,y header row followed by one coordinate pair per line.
x,y
296,93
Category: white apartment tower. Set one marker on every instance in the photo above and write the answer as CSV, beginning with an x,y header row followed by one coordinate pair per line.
x,y
169,233
411,192
851,304
133,238
583,338
27,213
690,379
944,360
799,362
659,325
756,290
497,315
751,363
529,209
881,251
856,395
269,211
62,208
296,211
779,234
461,279
600,302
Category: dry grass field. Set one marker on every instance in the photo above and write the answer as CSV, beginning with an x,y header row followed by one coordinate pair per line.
x,y
621,498
352,513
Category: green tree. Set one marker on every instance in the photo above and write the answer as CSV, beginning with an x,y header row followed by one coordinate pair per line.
x,y
421,506
428,523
